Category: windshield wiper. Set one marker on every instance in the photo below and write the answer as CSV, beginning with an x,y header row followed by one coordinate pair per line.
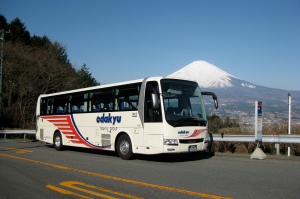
x,y
199,122
184,120
202,122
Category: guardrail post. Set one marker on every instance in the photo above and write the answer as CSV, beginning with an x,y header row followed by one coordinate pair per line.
x,y
277,146
4,135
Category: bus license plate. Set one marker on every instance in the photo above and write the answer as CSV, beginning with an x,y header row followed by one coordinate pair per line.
x,y
193,148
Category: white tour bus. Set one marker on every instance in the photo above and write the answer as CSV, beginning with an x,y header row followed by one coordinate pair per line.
x,y
148,116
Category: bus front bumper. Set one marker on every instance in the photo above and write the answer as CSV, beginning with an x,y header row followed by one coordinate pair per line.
x,y
185,147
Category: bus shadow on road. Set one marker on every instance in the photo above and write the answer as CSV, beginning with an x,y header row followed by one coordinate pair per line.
x,y
180,157
85,150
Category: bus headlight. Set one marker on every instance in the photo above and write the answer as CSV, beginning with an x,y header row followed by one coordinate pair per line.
x,y
170,142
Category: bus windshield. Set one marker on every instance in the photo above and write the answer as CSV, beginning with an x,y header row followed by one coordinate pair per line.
x,y
183,103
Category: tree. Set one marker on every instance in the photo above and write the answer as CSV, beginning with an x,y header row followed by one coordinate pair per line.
x,y
40,42
18,32
214,123
28,73
3,23
85,79
34,66
56,73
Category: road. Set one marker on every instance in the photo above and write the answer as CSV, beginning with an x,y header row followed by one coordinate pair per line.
x,y
36,170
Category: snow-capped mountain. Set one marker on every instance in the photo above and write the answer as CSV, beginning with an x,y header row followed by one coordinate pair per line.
x,y
209,76
236,95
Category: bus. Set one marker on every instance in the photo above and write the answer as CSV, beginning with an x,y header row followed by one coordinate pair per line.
x,y
147,116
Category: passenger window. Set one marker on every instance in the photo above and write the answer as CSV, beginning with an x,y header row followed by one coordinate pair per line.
x,y
102,100
78,102
127,97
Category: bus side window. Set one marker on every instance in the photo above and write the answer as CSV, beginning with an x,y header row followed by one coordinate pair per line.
x,y
44,106
79,102
60,104
94,102
127,97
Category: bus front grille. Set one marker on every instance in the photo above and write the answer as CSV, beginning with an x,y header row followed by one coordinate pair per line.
x,y
191,141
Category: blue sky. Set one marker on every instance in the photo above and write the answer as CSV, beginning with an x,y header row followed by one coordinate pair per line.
x,y
257,41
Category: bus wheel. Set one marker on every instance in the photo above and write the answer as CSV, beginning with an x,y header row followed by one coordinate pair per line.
x,y
57,141
124,147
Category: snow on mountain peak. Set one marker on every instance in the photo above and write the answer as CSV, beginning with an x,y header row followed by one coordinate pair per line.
x,y
206,74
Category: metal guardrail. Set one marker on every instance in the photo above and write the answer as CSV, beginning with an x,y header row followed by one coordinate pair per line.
x,y
17,132
277,139
292,139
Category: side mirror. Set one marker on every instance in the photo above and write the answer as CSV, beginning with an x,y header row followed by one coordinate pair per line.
x,y
216,103
215,98
155,103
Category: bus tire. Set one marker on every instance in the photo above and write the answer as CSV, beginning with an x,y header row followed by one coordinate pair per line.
x,y
124,147
57,141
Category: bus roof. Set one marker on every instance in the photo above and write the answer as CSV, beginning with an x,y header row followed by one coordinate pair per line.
x,y
113,84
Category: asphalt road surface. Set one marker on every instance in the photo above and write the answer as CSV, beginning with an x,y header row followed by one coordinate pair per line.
x,y
36,170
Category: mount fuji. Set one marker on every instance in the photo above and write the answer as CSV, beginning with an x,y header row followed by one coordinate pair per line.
x,y
209,76
236,96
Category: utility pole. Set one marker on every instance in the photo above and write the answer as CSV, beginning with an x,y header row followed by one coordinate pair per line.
x,y
1,73
289,125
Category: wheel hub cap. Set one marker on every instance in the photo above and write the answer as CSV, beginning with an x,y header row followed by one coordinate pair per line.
x,y
124,147
57,141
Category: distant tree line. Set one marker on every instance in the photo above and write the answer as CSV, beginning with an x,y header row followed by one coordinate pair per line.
x,y
216,123
33,66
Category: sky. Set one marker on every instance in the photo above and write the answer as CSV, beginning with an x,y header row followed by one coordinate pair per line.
x,y
257,41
